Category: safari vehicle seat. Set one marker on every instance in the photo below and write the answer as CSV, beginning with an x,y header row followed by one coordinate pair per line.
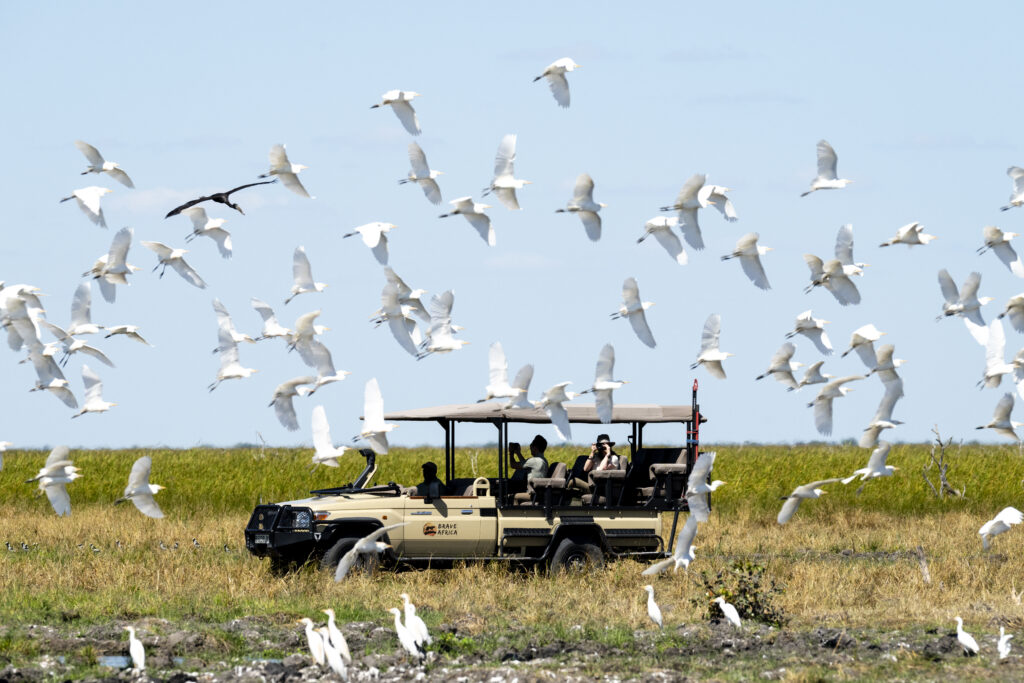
x,y
554,481
461,487
667,472
607,484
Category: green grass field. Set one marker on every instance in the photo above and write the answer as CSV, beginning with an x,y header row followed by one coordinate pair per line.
x,y
845,561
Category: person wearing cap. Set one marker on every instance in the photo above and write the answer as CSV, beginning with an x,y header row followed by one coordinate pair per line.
x,y
534,466
602,457
431,486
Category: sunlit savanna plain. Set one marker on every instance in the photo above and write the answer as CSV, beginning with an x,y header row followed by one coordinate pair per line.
x,y
845,561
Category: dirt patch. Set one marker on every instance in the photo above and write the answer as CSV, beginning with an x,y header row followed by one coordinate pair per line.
x,y
235,652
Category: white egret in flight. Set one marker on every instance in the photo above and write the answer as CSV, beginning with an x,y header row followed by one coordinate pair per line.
x,y
828,176
964,303
208,227
633,310
282,400
552,403
271,328
800,493
583,205
822,403
375,430
1015,310
302,274
863,342
698,487
876,466
81,311
749,253
661,228
474,213
813,375
440,338
230,367
1016,174
555,73
682,554
88,199
910,234
505,184
814,329
112,268
710,356
97,164
94,402
370,543
324,450
54,478
604,384
140,492
286,171
422,175
1001,422
399,101
374,235
1007,518
694,195
782,366
498,385
175,258
999,243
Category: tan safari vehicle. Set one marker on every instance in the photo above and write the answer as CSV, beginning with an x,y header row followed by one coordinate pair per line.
x,y
567,520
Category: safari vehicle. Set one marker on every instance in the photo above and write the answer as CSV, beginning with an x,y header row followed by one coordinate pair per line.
x,y
565,520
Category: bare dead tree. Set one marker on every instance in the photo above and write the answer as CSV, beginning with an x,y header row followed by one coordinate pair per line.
x,y
939,462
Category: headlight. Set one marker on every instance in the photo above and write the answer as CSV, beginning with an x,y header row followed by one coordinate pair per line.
x,y
302,519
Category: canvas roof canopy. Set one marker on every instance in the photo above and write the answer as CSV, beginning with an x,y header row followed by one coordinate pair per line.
x,y
584,413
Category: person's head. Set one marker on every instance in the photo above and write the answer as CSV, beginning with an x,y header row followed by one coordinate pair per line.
x,y
429,471
538,445
604,444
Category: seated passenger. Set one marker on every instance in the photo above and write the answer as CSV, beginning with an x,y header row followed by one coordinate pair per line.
x,y
530,468
602,454
431,486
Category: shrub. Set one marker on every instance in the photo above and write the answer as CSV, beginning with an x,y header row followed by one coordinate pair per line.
x,y
745,585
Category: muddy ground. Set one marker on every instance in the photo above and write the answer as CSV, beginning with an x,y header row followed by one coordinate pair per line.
x,y
689,652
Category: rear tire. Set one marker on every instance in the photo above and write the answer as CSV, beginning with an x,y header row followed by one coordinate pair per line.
x,y
366,563
576,557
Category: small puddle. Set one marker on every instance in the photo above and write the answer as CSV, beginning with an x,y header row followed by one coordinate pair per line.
x,y
114,661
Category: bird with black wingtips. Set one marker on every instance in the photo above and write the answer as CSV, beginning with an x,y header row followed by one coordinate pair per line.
x,y
219,197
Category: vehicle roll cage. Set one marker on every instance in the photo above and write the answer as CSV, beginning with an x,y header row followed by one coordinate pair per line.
x,y
636,415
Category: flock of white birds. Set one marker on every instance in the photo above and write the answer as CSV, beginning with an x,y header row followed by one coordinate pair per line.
x,y
422,329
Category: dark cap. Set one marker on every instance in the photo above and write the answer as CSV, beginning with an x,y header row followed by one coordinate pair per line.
x,y
540,442
603,438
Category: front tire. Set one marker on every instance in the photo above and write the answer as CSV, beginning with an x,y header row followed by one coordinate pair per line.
x,y
576,557
365,563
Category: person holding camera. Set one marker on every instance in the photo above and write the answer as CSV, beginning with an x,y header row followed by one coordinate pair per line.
x,y
528,468
602,456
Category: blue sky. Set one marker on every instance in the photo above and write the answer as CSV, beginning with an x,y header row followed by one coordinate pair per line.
x,y
922,108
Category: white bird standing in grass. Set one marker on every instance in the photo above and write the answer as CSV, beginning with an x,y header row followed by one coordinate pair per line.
x,y
136,650
474,213
204,226
749,254
332,655
94,402
505,184
112,268
910,234
405,636
551,402
422,175
497,385
140,492
693,195
633,310
999,243
415,624
583,205
555,73
97,164
175,258
782,366
710,355
88,199
375,431
336,636
315,642
302,274
282,403
1016,174
1003,646
814,329
966,640
1004,521
288,172
604,384
324,450
399,101
1001,422
374,236
828,176
822,403
800,493
271,328
661,228
731,615
863,342
653,611
965,303
370,543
